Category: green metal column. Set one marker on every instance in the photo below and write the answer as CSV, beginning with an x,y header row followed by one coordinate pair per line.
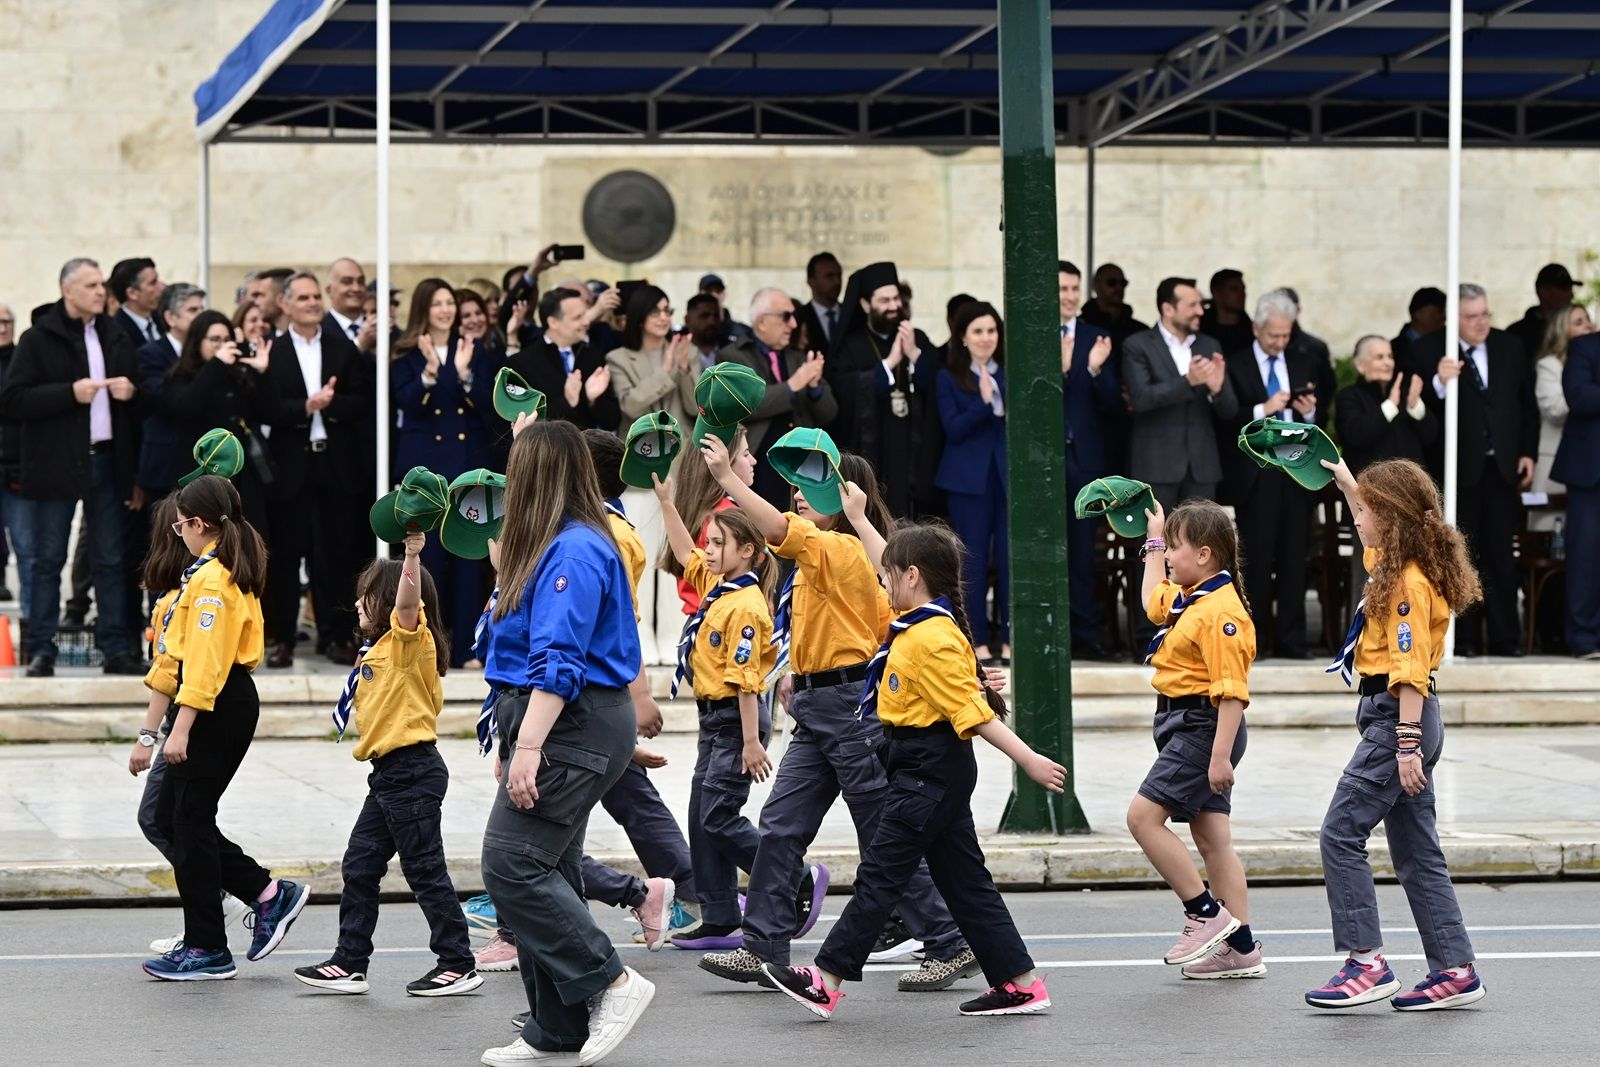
x,y
1035,432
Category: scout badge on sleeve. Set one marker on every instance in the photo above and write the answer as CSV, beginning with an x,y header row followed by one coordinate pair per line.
x,y
652,444
808,459
726,395
1123,502
1296,448
477,506
513,396
218,452
418,504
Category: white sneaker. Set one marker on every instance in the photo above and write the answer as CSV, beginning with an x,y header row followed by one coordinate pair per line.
x,y
233,909
163,945
520,1052
612,1013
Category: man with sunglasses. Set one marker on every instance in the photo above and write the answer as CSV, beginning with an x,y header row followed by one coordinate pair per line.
x,y
1109,309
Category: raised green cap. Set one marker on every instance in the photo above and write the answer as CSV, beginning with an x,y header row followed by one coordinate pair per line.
x,y
477,508
652,444
1123,501
513,396
218,452
418,504
1296,448
808,459
726,395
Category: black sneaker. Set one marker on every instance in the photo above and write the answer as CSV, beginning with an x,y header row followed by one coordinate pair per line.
x,y
124,663
445,982
333,976
273,919
894,943
42,666
1010,999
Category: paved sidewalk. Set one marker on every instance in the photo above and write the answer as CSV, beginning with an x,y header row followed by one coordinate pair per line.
x,y
1513,802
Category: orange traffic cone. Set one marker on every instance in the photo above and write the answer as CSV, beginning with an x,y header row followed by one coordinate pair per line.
x,y
8,652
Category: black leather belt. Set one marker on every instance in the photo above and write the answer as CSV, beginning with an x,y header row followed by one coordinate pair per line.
x,y
1373,684
838,676
723,704
1192,702
317,446
909,733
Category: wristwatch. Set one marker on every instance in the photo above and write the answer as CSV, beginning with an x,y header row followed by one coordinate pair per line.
x,y
147,738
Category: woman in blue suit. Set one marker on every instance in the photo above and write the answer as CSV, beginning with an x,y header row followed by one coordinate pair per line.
x,y
439,380
973,469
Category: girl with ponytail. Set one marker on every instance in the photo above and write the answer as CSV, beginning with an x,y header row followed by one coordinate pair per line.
x,y
928,690
1201,655
1421,575
213,633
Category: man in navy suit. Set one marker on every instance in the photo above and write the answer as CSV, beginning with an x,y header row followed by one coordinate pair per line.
x,y
137,287
1576,469
1091,395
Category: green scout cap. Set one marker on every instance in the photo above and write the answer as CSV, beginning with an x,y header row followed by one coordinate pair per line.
x,y
809,460
726,394
513,396
1296,448
472,519
1122,501
652,444
418,504
218,452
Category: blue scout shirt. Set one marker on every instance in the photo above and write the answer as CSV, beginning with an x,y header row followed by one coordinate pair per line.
x,y
574,626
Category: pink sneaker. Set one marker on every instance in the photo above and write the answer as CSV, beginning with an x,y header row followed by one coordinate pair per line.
x,y
1202,936
653,913
804,986
1228,963
498,955
1010,999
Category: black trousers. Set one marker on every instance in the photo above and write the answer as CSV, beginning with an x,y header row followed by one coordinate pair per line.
x,y
402,814
1275,528
927,814
206,863
323,527
1487,514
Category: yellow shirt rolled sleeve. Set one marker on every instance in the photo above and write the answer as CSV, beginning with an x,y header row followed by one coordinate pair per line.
x,y
1161,598
398,705
1408,643
1228,648
219,627
948,682
162,677
840,610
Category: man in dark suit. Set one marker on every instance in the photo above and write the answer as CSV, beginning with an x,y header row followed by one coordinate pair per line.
x,y
1496,443
797,394
823,313
70,387
137,288
321,495
1227,319
1425,316
562,364
1091,394
1575,467
1272,380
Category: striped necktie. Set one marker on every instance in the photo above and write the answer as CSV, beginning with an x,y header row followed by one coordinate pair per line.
x,y
487,727
869,689
783,626
347,695
1344,664
691,629
188,572
1210,585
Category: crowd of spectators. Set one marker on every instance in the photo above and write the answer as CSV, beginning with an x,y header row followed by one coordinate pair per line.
x,y
106,391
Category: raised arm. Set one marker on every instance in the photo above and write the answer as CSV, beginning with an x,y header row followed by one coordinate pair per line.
x,y
1155,557
408,600
768,519
678,535
855,508
1345,481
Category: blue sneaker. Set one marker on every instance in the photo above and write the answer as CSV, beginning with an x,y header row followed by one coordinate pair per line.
x,y
184,964
273,919
481,918
1441,990
679,919
1354,985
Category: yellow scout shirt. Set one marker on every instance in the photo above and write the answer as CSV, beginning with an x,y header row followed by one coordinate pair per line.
x,y
840,613
733,651
216,627
399,697
633,556
1409,644
931,676
163,674
1209,650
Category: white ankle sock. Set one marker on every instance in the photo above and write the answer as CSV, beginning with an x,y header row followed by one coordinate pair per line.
x,y
1459,972
1371,957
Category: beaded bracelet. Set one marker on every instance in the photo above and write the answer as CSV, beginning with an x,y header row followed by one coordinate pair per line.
x,y
1154,544
1408,754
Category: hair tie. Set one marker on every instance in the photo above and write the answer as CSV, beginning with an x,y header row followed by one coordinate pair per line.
x,y
1429,518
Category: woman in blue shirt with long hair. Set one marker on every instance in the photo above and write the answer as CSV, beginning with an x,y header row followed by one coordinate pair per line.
x,y
563,647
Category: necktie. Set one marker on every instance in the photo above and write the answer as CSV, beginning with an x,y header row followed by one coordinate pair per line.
x,y
150,331
832,321
1344,664
691,629
783,626
566,360
480,652
347,695
1275,386
354,327
869,688
1476,378
777,368
1210,585
188,572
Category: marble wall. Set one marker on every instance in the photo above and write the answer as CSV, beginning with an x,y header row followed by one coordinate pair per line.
x,y
97,158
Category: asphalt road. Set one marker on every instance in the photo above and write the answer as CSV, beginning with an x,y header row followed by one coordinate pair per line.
x,y
71,992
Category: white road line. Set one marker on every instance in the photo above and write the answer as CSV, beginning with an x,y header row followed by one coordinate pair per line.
x,y
1078,964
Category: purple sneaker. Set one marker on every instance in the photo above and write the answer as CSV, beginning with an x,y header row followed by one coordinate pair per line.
x,y
1441,990
1354,985
808,906
707,937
